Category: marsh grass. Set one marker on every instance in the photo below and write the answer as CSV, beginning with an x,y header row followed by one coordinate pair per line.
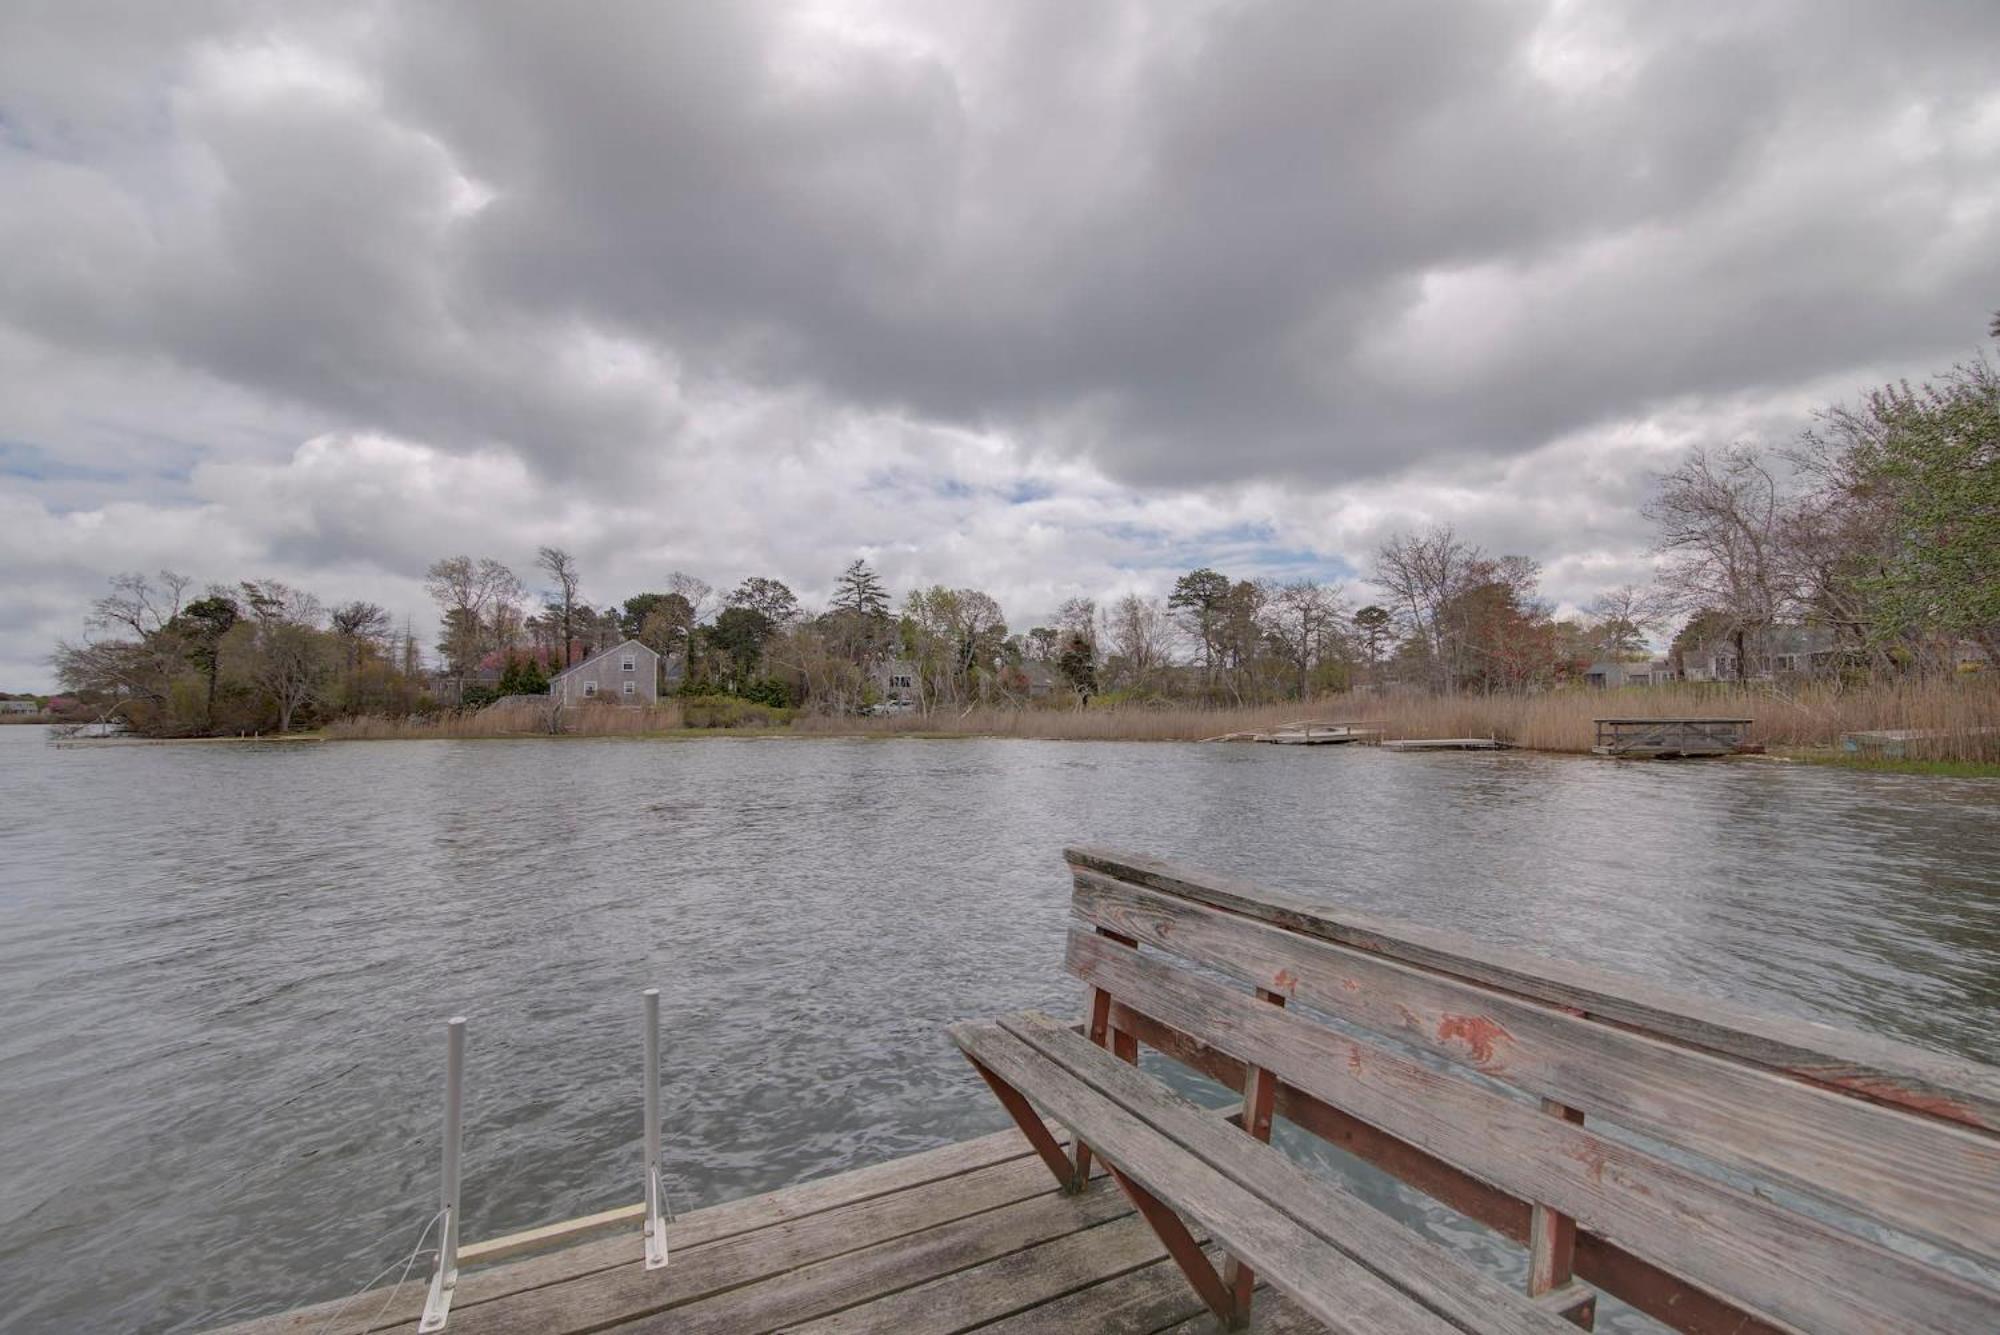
x,y
1804,717
505,720
1808,716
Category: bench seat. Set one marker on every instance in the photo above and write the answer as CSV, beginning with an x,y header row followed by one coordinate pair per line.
x,y
1335,1255
1717,1170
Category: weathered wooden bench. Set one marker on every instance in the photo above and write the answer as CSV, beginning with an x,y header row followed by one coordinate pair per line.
x,y
1718,1170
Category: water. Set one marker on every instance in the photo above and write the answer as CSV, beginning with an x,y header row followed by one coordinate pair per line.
x,y
224,969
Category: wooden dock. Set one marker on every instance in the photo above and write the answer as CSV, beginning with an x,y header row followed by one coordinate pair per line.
x,y
1447,744
969,1235
1671,738
1305,733
1806,1178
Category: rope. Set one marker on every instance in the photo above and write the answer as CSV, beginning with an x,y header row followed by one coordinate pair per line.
x,y
415,1252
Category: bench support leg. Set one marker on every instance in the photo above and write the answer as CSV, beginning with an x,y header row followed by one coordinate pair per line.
x,y
1100,1025
1180,1245
1260,1096
1125,1045
1030,1123
1552,1243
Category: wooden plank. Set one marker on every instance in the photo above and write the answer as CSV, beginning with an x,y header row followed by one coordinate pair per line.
x,y
1325,1280
1325,1207
1599,1261
1005,1287
1778,1262
815,1290
534,1239
1278,1316
694,1229
1866,1065
1936,1180
1136,1303
630,1291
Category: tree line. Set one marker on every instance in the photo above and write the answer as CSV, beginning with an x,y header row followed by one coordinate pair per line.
x,y
1881,525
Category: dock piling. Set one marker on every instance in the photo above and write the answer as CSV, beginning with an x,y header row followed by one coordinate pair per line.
x,y
437,1304
657,1211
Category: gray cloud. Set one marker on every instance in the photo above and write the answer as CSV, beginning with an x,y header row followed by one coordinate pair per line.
x,y
632,277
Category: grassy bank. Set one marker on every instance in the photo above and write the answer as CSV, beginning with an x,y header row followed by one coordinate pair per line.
x,y
1796,719
1551,721
511,721
1943,769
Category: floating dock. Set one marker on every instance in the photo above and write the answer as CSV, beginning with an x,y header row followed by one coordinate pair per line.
x,y
1320,734
1671,738
1448,744
972,1235
1899,743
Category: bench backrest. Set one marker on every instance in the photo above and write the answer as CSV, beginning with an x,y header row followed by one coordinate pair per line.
x,y
1723,1170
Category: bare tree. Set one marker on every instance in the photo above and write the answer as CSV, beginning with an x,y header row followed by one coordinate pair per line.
x,y
479,601
561,567
139,604
289,656
699,596
1077,617
1721,520
1424,573
1303,620
1621,620
1139,634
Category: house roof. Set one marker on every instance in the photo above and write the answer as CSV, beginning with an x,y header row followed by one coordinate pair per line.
x,y
614,649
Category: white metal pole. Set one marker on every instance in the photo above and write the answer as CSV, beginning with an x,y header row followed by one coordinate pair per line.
x,y
437,1305
656,1224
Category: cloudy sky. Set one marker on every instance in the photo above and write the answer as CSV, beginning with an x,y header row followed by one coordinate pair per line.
x,y
1044,298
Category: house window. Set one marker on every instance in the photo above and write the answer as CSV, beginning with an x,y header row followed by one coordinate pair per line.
x,y
631,688
899,683
630,664
589,689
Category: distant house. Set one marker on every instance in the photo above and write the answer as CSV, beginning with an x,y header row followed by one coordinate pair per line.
x,y
1774,651
1041,679
895,680
1618,672
19,707
624,674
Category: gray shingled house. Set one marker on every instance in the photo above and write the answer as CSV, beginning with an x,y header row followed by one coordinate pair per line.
x,y
624,674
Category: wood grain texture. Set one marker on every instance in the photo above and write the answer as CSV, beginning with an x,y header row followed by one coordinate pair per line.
x,y
1864,1065
695,1229
1000,1288
631,1291
1325,1207
1137,1303
1938,1181
1599,1261
814,1290
1782,1264
1324,1280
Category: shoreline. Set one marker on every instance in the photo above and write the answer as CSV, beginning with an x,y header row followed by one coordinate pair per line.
x,y
1825,757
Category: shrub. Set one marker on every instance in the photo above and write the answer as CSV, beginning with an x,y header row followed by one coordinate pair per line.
x,y
727,711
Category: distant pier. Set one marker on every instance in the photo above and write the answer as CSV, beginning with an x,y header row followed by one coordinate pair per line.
x,y
1671,738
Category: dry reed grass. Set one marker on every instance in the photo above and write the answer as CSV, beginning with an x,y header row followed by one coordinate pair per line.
x,y
1807,716
503,720
1967,712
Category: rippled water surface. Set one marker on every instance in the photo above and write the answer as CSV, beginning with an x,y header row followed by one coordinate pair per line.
x,y
223,969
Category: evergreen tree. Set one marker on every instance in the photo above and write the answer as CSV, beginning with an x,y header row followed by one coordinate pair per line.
x,y
859,590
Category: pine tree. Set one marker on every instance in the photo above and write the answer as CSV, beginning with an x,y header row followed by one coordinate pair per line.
x,y
859,590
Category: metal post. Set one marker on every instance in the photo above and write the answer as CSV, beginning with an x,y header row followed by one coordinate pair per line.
x,y
657,1210
444,1280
